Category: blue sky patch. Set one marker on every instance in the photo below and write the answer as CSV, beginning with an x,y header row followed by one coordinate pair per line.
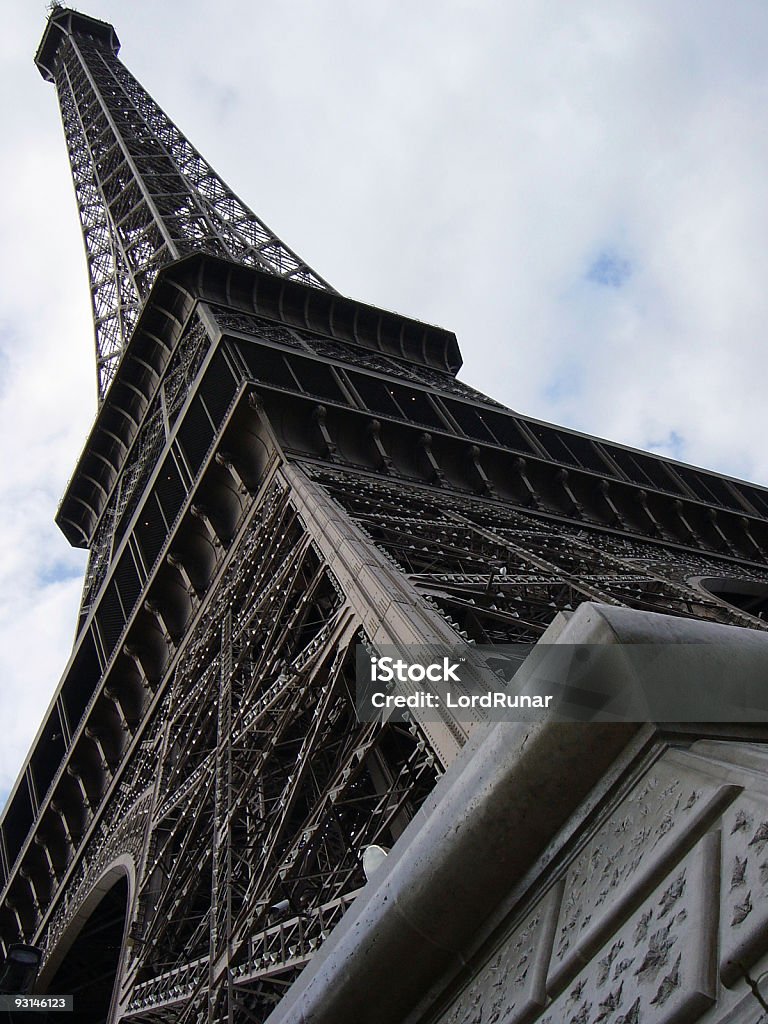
x,y
610,269
58,572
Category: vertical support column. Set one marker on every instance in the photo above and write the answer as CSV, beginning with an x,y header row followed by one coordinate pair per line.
x,y
220,976
66,728
391,610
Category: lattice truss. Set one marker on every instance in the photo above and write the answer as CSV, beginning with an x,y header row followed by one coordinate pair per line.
x,y
145,451
500,575
145,196
253,792
249,838
268,791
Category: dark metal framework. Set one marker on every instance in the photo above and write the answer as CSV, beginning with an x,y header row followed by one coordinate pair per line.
x,y
276,474
144,194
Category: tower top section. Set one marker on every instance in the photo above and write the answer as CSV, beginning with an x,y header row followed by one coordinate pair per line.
x,y
65,22
145,196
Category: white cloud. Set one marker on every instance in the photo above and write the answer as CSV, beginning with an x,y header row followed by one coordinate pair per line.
x,y
460,162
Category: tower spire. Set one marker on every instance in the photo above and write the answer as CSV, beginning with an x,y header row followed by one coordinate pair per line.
x,y
145,196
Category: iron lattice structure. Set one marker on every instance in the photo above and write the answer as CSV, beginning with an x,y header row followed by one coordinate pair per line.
x,y
276,474
145,196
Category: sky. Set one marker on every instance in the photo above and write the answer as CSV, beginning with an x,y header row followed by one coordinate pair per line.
x,y
576,189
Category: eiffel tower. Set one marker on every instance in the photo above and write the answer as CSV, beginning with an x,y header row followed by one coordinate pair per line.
x,y
276,474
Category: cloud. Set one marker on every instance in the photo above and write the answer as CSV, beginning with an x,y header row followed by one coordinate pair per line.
x,y
576,189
